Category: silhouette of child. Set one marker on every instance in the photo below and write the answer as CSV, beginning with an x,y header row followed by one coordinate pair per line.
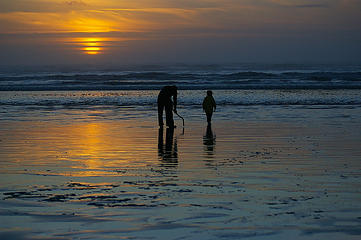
x,y
208,105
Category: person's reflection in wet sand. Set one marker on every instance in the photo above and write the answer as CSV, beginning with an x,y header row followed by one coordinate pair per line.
x,y
168,152
209,141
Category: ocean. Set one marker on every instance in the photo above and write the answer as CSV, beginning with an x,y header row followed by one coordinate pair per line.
x,y
82,155
185,77
234,85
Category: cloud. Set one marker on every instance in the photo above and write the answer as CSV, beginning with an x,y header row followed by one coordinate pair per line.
x,y
302,3
75,3
312,6
107,20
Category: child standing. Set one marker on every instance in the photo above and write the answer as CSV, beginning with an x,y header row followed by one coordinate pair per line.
x,y
208,105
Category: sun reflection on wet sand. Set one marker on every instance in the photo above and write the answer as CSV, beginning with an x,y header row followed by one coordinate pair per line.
x,y
100,150
81,149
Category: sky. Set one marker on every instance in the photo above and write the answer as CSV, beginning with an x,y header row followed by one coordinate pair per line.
x,y
119,32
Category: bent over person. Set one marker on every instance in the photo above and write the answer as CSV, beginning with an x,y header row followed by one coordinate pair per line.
x,y
165,103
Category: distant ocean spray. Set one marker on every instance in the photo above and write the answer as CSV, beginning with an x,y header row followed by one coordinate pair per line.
x,y
248,85
268,77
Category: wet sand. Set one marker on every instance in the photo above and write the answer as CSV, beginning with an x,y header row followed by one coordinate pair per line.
x,y
275,173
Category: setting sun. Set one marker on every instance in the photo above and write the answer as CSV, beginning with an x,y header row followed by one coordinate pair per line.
x,y
91,45
91,50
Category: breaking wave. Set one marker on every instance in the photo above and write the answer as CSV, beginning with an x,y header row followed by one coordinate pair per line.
x,y
184,80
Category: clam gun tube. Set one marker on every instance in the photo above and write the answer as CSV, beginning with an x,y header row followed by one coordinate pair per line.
x,y
180,117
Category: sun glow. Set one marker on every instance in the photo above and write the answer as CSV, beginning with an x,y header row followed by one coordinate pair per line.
x,y
91,45
92,50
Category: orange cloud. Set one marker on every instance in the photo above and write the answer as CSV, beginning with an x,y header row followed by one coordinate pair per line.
x,y
75,3
103,20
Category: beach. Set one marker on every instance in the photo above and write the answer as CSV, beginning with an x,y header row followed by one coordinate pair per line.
x,y
89,168
82,86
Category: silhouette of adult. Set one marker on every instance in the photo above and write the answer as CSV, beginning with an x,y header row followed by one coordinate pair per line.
x,y
165,103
